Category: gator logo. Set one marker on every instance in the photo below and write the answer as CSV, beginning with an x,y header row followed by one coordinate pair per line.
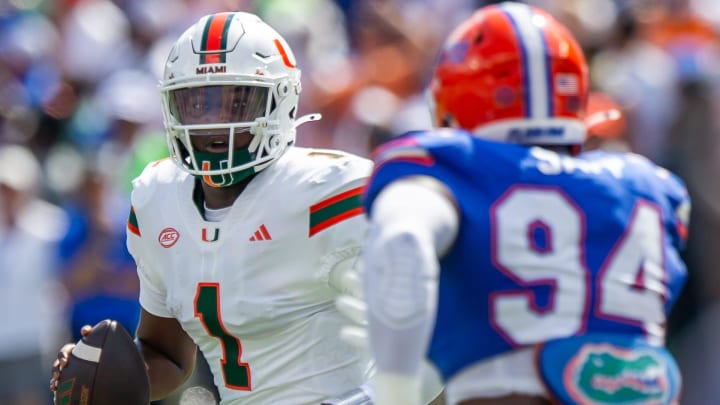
x,y
604,374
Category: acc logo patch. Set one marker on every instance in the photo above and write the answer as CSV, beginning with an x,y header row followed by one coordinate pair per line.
x,y
606,374
168,237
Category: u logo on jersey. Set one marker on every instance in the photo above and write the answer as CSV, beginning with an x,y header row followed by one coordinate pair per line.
x,y
206,238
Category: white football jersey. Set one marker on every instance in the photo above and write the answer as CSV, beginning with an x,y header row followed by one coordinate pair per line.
x,y
252,290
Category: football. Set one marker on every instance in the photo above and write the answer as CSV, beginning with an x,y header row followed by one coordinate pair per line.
x,y
105,368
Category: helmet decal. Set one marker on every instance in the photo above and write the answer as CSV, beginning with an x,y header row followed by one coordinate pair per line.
x,y
214,39
285,57
455,53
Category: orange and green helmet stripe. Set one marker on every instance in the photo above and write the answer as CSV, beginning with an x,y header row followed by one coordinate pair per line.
x,y
334,209
215,36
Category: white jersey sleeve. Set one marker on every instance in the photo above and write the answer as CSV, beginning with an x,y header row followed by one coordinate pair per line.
x,y
336,216
411,226
152,286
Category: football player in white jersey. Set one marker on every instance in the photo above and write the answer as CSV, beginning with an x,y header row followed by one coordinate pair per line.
x,y
240,237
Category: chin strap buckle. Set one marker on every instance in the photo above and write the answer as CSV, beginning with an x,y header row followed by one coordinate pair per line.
x,y
307,118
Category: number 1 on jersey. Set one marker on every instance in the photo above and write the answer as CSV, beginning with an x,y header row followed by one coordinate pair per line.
x,y
236,374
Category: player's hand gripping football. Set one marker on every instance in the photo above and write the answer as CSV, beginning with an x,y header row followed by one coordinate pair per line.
x,y
103,368
62,359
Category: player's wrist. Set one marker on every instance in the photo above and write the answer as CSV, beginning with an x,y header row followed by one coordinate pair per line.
x,y
397,389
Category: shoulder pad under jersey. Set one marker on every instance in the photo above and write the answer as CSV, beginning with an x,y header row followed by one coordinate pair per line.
x,y
154,175
426,147
326,170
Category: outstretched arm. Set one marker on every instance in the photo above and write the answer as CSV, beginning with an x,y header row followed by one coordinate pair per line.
x,y
414,222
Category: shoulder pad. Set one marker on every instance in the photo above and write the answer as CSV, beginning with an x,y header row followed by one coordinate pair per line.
x,y
425,147
155,173
330,169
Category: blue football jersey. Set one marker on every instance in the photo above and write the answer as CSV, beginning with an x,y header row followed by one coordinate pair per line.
x,y
549,245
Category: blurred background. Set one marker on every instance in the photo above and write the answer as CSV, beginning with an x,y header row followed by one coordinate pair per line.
x,y
80,116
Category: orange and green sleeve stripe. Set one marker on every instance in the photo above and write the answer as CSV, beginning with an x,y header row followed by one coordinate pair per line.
x,y
214,39
132,223
335,209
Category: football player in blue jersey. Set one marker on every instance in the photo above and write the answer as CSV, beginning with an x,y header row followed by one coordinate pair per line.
x,y
526,271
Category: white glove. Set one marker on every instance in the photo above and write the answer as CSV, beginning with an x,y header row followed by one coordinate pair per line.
x,y
347,278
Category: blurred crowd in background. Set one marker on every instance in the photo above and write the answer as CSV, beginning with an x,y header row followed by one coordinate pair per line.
x,y
80,116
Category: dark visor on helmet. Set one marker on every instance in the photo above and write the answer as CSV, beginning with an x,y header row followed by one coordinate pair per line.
x,y
218,104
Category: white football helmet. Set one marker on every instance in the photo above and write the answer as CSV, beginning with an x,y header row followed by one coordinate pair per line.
x,y
230,74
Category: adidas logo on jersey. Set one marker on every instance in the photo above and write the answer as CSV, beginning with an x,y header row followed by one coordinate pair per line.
x,y
261,234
